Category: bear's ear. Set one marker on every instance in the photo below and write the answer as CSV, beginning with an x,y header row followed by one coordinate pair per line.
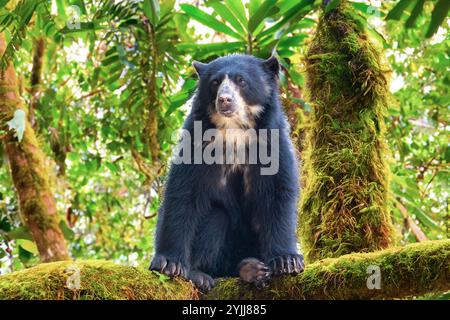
x,y
199,67
272,66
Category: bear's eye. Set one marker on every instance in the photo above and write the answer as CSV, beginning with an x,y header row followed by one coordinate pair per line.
x,y
215,82
241,81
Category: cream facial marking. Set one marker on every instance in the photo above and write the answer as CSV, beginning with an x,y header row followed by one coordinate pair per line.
x,y
231,110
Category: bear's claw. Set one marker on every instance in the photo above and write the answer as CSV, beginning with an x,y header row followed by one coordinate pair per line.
x,y
287,264
253,271
167,266
201,280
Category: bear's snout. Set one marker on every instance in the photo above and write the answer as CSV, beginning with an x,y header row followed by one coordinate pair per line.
x,y
225,104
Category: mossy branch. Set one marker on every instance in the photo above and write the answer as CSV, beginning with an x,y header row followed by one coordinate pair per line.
x,y
407,271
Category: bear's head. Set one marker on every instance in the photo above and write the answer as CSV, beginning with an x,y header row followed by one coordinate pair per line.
x,y
237,89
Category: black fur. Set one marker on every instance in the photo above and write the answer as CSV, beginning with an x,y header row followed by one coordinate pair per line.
x,y
204,230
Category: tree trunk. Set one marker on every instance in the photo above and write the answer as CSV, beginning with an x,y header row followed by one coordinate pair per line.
x,y
30,176
35,79
345,202
413,270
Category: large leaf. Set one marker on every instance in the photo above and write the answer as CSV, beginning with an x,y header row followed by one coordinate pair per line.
x,y
24,255
238,10
294,41
418,8
68,233
227,15
28,245
205,50
217,46
438,16
293,14
421,215
152,11
261,14
397,11
61,6
208,20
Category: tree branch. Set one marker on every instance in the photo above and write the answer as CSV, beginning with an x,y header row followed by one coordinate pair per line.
x,y
407,271
410,223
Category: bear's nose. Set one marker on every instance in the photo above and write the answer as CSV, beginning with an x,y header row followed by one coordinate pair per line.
x,y
225,99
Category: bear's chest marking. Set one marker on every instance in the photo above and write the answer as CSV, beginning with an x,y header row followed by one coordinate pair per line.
x,y
229,174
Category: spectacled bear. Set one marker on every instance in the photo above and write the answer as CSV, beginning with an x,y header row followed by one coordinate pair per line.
x,y
220,220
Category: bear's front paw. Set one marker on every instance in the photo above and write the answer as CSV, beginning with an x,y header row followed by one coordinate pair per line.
x,y
167,266
253,271
201,280
287,264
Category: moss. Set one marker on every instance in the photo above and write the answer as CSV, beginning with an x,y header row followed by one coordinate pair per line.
x,y
98,280
407,271
345,203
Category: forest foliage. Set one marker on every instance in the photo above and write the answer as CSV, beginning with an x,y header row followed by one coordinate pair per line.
x,y
107,84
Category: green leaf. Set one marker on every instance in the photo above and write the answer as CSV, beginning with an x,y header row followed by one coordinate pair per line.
x,y
24,255
238,10
112,166
163,277
4,225
294,41
61,8
418,8
421,215
253,6
360,6
208,20
332,5
397,11
260,14
110,59
166,7
67,232
217,46
27,245
227,15
18,123
20,233
152,10
438,16
206,50
293,14
50,29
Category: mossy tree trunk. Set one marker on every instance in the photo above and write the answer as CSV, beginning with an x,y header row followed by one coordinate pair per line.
x,y
344,206
29,174
35,79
